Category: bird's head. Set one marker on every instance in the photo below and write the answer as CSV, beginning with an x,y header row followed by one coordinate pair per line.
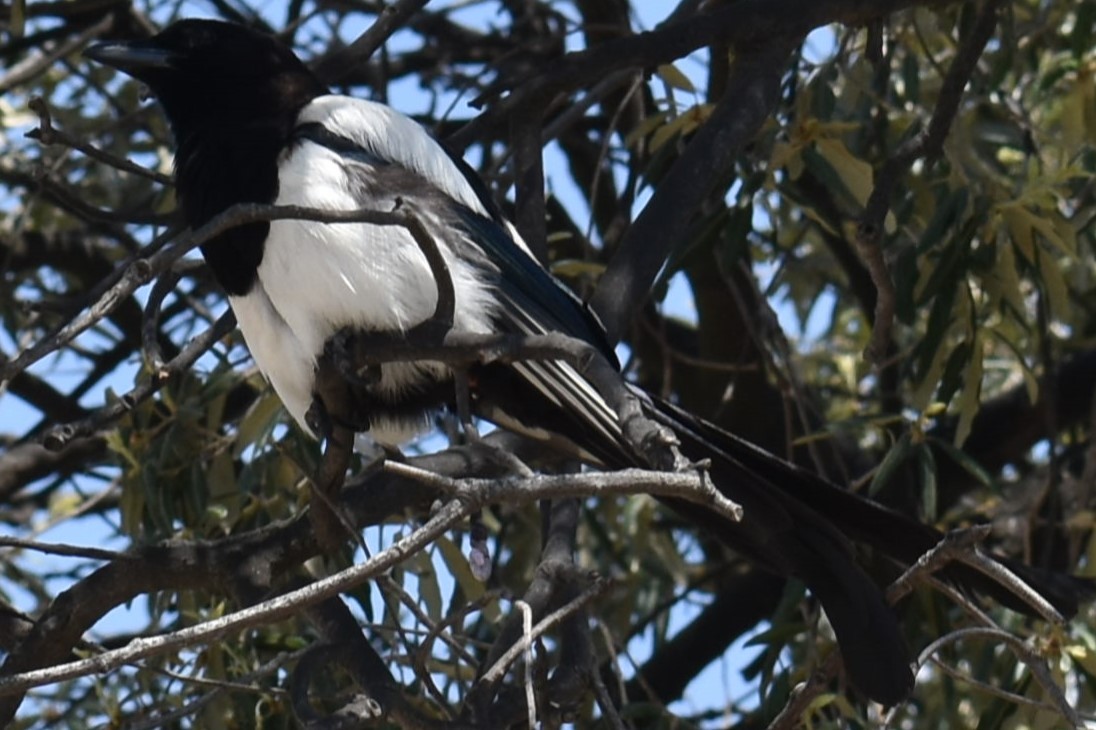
x,y
213,71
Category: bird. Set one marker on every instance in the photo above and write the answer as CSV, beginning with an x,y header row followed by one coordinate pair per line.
x,y
253,124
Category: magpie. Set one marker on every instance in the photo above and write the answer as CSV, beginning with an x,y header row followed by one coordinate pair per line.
x,y
253,124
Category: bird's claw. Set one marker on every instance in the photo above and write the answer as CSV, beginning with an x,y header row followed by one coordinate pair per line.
x,y
654,443
340,351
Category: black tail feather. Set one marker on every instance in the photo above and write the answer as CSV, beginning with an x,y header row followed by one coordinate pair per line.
x,y
797,523
892,533
785,536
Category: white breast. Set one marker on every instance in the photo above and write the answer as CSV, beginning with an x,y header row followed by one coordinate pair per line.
x,y
315,279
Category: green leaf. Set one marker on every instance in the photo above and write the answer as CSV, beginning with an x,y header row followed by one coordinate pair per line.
x,y
1054,284
646,126
971,395
1018,222
674,78
948,211
953,372
855,174
897,456
911,78
422,567
681,125
263,415
824,701
577,268
950,265
1004,279
930,347
1031,381
926,468
18,18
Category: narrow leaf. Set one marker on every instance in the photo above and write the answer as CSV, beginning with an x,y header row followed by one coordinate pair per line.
x,y
894,459
673,77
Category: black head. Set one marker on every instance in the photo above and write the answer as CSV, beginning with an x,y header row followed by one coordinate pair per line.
x,y
205,71
232,95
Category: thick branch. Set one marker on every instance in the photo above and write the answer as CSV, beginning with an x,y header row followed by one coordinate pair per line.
x,y
338,65
756,23
663,226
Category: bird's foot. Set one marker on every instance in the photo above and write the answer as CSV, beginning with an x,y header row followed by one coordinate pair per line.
x,y
322,420
655,444
335,399
341,350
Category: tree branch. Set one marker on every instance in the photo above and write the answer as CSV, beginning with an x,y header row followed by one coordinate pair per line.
x,y
662,227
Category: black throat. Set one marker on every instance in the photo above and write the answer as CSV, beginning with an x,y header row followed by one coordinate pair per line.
x,y
230,140
218,167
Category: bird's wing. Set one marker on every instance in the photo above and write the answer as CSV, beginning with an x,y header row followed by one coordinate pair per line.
x,y
533,302
390,152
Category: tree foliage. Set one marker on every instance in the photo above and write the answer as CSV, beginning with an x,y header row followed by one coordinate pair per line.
x,y
866,229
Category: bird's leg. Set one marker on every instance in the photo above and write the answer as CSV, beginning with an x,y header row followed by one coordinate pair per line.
x,y
464,405
500,457
655,443
332,414
328,523
338,387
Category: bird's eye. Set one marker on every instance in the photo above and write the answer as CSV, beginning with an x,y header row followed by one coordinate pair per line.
x,y
144,93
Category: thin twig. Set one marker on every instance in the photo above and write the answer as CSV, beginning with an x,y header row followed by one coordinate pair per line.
x,y
444,309
689,486
605,703
662,227
928,143
526,649
745,23
799,702
418,657
1001,574
990,689
39,63
962,546
498,670
58,437
1023,652
950,547
276,609
438,630
150,318
72,551
167,719
393,17
48,134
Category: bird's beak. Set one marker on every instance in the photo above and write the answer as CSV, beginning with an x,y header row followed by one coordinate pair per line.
x,y
130,56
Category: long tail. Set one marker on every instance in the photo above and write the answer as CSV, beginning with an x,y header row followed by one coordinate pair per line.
x,y
864,521
797,523
785,534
